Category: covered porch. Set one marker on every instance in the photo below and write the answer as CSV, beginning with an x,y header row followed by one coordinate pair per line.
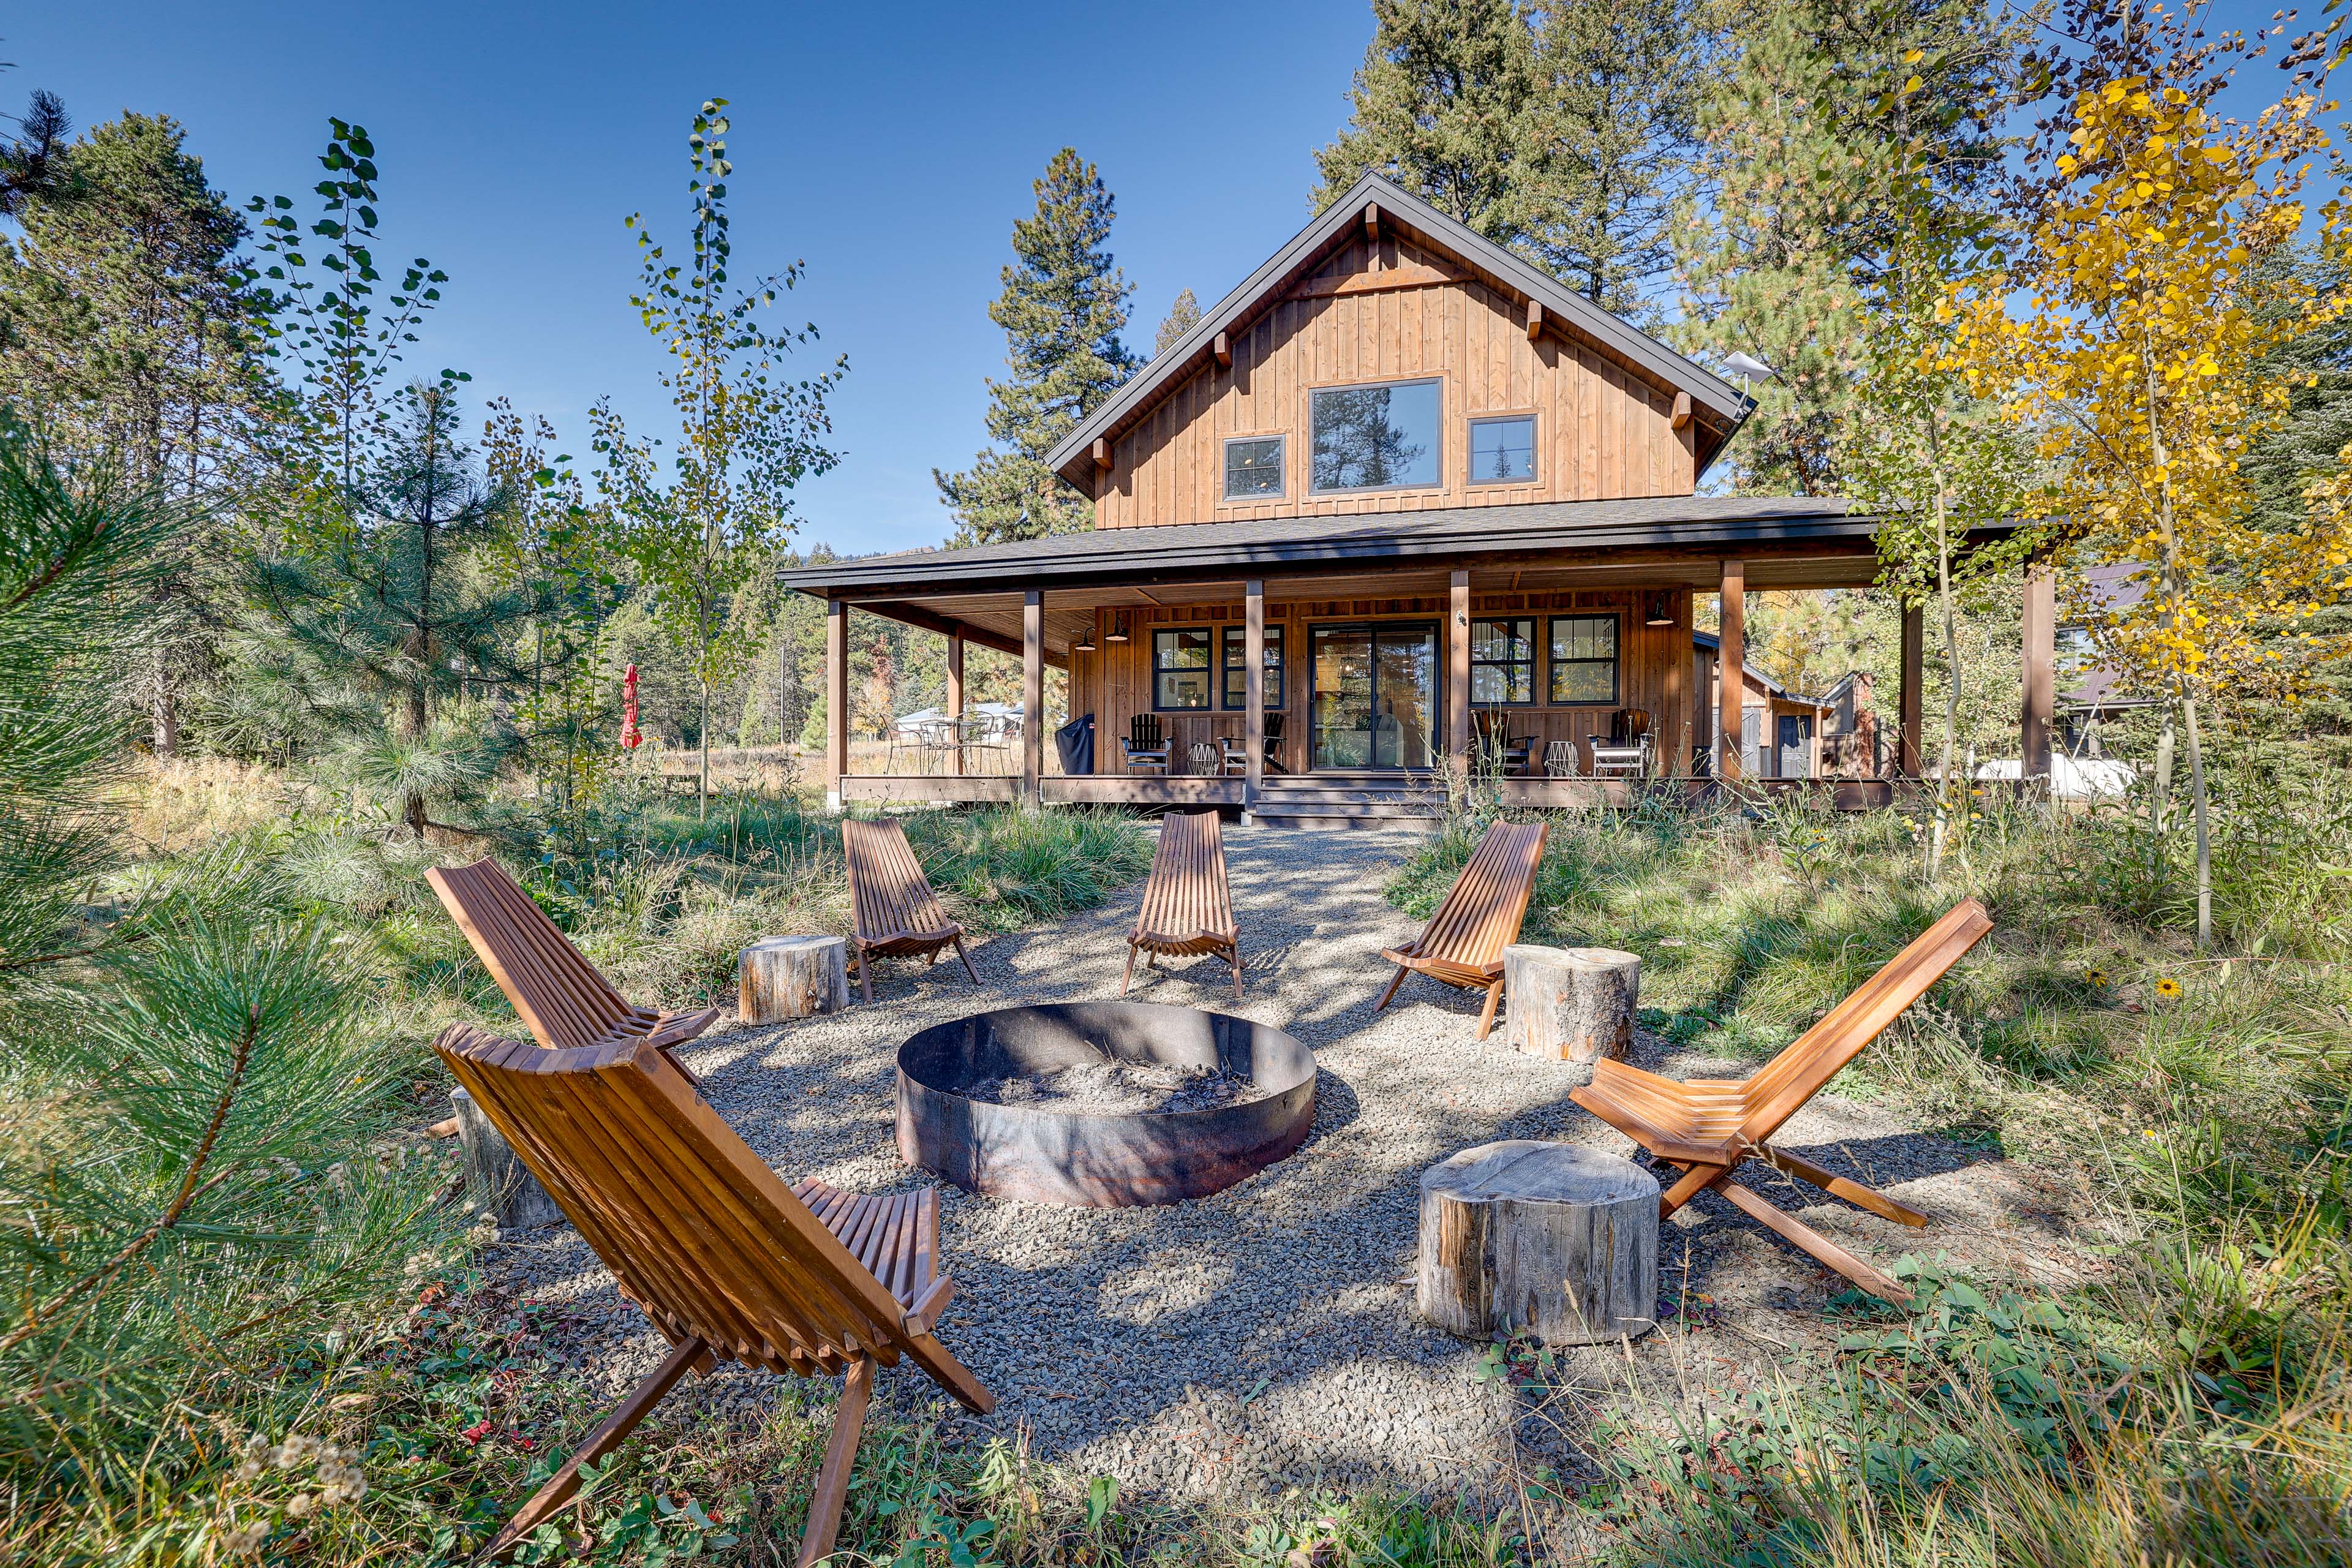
x,y
1343,660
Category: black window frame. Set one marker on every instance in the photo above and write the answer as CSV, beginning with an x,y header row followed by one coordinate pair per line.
x,y
1533,662
1232,672
1535,448
1281,440
1206,669
1553,663
1437,435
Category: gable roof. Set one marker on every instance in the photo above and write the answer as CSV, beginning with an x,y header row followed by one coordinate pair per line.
x,y
1708,642
1717,406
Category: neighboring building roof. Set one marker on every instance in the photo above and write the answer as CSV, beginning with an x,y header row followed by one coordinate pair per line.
x,y
1719,405
1708,642
1704,522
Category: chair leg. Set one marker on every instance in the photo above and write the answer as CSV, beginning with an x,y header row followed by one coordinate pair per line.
x,y
865,974
1487,1017
1696,1179
1395,982
561,1487
968,969
1235,954
1813,1244
840,1454
1855,1193
1128,974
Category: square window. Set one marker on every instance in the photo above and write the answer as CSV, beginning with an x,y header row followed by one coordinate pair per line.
x,y
1503,451
1376,437
1584,661
1236,669
1502,662
1253,467
1180,668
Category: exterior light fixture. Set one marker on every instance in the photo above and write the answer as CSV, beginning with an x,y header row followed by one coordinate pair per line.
x,y
1658,608
1118,632
1086,643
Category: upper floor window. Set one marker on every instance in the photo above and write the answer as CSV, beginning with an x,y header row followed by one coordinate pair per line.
x,y
1253,467
1584,660
1179,667
1377,437
1236,669
1503,661
1503,451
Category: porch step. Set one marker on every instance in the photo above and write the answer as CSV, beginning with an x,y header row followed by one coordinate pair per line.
x,y
1339,801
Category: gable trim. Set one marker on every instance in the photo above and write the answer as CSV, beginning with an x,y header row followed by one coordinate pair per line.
x,y
1718,398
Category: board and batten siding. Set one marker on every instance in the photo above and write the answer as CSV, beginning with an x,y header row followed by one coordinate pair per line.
x,y
1602,431
1654,673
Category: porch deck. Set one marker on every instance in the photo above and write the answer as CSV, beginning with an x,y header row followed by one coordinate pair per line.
x,y
1147,790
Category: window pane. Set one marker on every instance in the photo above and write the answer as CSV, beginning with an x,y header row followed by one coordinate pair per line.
x,y
1588,681
1182,688
1376,437
1236,668
1502,640
1501,449
1253,468
1502,683
1185,649
1584,637
1584,659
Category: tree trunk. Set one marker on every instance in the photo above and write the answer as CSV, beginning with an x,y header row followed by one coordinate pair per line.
x,y
703,736
1557,1240
1941,829
780,977
1571,1004
2204,839
496,1178
164,706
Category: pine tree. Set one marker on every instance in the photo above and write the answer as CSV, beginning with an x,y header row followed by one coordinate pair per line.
x,y
1449,105
1182,318
135,327
1064,306
32,163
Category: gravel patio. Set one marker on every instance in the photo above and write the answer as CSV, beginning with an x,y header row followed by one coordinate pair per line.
x,y
1265,1338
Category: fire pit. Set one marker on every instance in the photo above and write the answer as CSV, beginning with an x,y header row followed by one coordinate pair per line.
x,y
1101,1104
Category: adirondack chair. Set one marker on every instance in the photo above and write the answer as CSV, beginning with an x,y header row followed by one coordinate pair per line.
x,y
1462,944
894,906
558,995
1707,1128
706,1241
1145,746
1188,905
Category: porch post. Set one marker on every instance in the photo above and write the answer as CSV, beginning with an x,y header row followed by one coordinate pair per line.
x,y
1032,698
1909,697
1254,685
1457,681
1731,670
955,698
2040,629
837,700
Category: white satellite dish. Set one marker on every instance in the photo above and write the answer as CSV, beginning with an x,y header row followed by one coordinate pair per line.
x,y
1747,369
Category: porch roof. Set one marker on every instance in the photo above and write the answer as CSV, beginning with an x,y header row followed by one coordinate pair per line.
x,y
1687,526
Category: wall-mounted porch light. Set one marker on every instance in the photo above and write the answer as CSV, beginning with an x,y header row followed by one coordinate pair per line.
x,y
1118,632
1658,608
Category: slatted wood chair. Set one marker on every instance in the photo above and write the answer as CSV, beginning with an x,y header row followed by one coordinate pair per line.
x,y
706,1241
1145,746
1188,905
892,902
558,995
1462,944
1708,1128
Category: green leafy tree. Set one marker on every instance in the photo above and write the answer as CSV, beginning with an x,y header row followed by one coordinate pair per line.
x,y
700,529
1182,318
404,611
134,326
1064,306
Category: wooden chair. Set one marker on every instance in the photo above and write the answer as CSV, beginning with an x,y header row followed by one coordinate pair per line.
x,y
558,995
892,902
1495,740
1707,1128
1143,745
706,1241
1462,944
1188,905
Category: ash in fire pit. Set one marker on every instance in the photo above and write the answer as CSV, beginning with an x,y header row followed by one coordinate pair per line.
x,y
1097,1104
1114,1088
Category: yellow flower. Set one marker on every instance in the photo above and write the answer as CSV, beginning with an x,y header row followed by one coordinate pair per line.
x,y
2167,989
2095,978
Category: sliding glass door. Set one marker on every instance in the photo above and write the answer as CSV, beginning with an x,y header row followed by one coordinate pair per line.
x,y
1375,697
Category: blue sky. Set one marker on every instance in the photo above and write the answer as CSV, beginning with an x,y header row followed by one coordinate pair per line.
x,y
889,147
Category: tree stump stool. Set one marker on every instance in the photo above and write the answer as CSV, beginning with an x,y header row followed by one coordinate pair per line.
x,y
498,1182
1570,1003
781,977
1552,1239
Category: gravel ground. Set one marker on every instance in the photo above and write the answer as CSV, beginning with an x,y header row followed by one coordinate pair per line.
x,y
1265,1337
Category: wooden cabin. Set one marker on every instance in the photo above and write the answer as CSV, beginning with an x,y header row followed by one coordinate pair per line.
x,y
1398,490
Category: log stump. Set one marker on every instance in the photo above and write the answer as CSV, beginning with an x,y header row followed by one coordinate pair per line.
x,y
1557,1240
781,977
499,1181
1570,1003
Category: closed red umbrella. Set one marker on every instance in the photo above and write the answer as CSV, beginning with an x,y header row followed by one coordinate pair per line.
x,y
631,737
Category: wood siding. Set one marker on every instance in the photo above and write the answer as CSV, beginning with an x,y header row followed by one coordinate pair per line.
x,y
1602,431
1654,672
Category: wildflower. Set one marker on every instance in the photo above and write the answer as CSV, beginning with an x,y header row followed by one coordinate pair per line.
x,y
295,1450
245,1539
300,1505
2095,978
2167,989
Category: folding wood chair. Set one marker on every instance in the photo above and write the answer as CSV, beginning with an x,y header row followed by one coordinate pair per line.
x,y
707,1242
1462,944
558,995
1188,905
892,902
1707,1128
